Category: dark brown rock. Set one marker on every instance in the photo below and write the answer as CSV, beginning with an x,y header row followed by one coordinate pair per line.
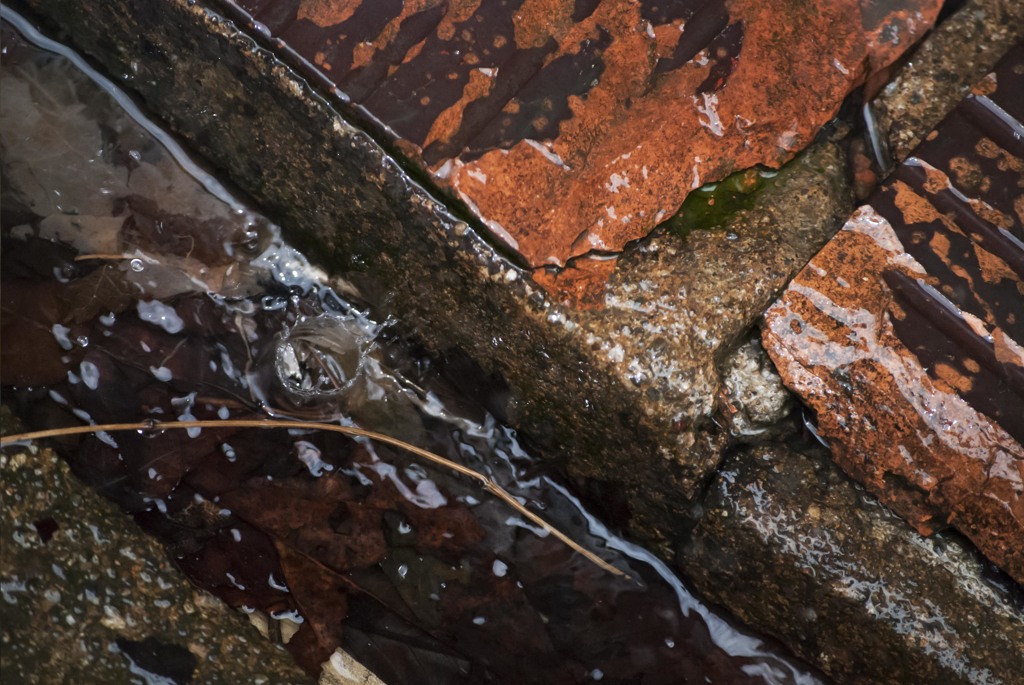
x,y
902,334
848,585
571,128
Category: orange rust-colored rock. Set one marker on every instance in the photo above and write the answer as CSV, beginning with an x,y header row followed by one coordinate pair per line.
x,y
575,126
904,333
581,282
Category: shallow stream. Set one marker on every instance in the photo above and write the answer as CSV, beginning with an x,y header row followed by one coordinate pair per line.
x,y
137,287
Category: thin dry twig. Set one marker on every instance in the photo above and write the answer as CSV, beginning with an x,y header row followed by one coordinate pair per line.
x,y
103,256
488,483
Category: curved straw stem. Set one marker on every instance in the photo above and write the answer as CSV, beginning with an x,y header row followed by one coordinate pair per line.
x,y
488,483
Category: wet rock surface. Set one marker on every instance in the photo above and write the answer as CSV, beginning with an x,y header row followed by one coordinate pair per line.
x,y
624,395
89,598
903,333
676,307
575,127
753,400
568,386
825,568
962,50
321,540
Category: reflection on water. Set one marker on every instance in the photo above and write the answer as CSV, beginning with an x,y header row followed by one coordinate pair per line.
x,y
135,287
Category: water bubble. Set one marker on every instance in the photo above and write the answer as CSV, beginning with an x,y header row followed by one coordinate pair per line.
x,y
428,496
287,615
415,473
269,303
261,29
231,579
309,455
161,373
90,374
194,431
136,265
61,334
107,439
321,357
161,315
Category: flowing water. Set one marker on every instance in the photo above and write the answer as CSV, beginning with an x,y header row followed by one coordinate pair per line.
x,y
136,287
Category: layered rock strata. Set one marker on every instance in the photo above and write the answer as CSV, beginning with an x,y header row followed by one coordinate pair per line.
x,y
846,583
904,333
572,128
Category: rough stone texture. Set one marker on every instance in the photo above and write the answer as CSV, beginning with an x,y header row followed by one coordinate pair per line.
x,y
903,334
342,669
591,386
674,309
574,127
625,394
78,576
349,206
754,400
965,47
847,584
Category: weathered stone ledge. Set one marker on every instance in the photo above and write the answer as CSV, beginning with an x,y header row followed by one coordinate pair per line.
x,y
826,569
